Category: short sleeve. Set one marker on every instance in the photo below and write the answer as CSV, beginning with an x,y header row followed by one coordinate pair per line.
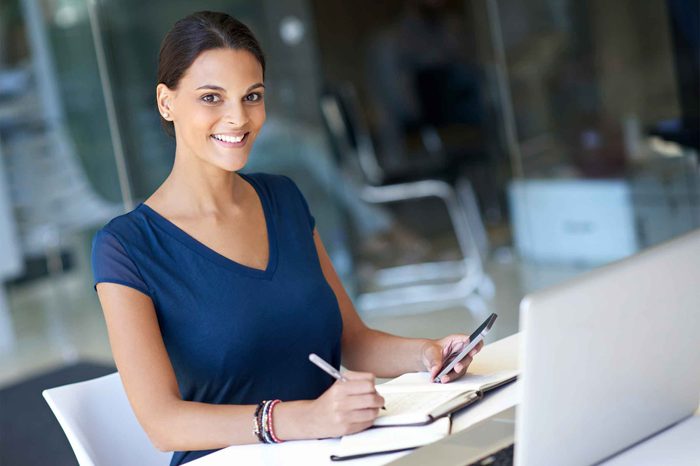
x,y
307,212
112,264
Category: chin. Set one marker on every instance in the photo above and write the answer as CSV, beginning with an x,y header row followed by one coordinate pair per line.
x,y
231,167
230,163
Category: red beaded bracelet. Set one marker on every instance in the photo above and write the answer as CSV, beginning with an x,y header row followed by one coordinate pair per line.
x,y
270,428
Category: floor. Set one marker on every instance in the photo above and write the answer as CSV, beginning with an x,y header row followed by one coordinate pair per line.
x,y
59,321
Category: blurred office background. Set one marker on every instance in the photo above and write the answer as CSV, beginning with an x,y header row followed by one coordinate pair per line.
x,y
456,154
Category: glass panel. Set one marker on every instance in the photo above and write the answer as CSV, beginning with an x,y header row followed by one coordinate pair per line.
x,y
595,96
73,53
60,182
57,153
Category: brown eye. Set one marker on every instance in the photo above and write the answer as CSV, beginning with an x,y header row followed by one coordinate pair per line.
x,y
254,97
211,98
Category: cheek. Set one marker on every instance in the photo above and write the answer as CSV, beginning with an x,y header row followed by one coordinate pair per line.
x,y
257,117
200,120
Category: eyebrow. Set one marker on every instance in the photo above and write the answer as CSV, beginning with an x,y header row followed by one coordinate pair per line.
x,y
219,88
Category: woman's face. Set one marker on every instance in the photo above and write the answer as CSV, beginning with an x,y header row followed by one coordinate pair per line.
x,y
217,108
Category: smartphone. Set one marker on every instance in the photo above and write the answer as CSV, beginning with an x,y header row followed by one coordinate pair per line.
x,y
474,340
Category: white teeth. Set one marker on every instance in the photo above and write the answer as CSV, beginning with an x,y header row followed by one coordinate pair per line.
x,y
222,137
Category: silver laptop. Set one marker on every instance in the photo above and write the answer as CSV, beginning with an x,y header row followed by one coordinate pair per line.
x,y
608,359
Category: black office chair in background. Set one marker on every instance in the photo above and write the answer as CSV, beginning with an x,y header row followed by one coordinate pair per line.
x,y
431,284
451,101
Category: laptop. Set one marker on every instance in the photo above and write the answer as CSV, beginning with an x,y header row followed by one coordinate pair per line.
x,y
608,360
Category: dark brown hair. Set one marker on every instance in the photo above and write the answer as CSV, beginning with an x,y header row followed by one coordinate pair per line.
x,y
194,34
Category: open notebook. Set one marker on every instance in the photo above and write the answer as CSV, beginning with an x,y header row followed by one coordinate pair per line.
x,y
416,413
412,399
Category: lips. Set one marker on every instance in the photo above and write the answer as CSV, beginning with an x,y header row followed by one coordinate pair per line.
x,y
229,141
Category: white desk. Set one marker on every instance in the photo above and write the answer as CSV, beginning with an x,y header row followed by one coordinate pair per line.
x,y
677,445
500,355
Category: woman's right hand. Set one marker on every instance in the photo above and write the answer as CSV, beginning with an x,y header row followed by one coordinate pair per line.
x,y
348,406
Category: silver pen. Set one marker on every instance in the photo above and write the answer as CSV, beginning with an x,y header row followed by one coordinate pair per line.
x,y
327,368
324,366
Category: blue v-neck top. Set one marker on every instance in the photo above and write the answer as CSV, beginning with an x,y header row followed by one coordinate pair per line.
x,y
234,334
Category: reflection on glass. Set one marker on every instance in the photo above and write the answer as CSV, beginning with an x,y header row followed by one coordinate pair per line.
x,y
592,85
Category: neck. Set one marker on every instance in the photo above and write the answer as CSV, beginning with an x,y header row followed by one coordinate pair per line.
x,y
201,188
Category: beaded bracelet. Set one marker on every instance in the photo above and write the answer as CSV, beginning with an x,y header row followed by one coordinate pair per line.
x,y
262,422
265,420
270,428
257,422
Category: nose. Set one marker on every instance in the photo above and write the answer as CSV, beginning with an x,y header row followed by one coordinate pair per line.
x,y
236,115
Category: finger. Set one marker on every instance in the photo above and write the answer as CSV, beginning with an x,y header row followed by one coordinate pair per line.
x,y
433,360
360,426
362,415
353,375
454,344
369,400
462,365
457,371
457,337
434,372
433,363
448,349
358,387
435,369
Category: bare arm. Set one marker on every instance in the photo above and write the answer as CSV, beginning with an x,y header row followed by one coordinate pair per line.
x,y
365,349
150,384
174,424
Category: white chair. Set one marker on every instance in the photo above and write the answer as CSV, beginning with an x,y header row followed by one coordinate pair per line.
x,y
428,285
100,424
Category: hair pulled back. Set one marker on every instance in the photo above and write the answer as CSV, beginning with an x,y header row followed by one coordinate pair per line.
x,y
197,33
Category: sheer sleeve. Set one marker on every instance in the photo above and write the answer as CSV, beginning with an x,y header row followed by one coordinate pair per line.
x,y
111,263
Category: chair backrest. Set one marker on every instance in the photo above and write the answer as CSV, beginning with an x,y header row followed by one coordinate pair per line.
x,y
450,94
350,133
100,424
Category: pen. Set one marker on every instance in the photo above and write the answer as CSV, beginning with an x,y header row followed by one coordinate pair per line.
x,y
324,366
327,368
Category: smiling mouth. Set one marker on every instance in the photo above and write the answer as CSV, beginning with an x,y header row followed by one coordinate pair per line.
x,y
230,141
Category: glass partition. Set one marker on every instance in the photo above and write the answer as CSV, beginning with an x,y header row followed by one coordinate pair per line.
x,y
603,148
80,133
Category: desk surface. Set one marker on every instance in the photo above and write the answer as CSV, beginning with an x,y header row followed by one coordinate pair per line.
x,y
497,356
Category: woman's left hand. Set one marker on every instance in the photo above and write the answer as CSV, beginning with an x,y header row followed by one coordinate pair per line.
x,y
434,352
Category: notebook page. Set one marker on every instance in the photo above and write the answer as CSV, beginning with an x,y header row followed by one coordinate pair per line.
x,y
382,439
414,404
420,382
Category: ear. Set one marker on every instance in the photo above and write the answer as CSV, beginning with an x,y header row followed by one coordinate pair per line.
x,y
164,101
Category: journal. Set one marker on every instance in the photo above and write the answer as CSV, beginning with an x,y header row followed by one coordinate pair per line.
x,y
417,412
412,399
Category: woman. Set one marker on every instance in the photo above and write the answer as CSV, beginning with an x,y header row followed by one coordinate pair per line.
x,y
217,287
